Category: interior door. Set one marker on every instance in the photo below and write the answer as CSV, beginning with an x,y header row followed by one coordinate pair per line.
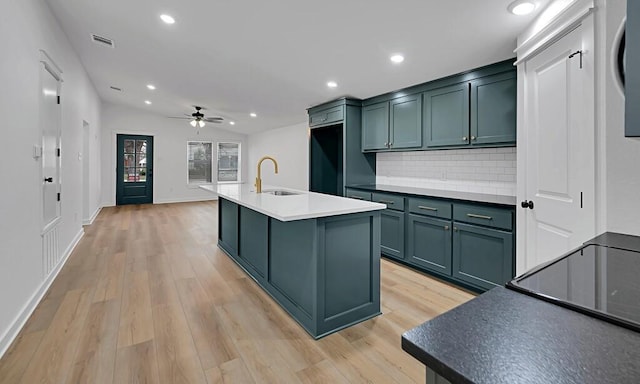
x,y
560,164
50,121
134,169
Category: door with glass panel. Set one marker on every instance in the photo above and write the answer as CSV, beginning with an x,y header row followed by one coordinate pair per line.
x,y
134,170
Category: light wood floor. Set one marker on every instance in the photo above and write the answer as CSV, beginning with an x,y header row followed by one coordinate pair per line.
x,y
147,297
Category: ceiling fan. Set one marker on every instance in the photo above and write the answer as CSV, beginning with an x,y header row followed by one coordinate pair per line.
x,y
198,119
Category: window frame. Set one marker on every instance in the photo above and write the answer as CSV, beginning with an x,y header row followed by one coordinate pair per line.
x,y
239,170
196,184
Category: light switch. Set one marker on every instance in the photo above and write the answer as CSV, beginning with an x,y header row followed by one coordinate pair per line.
x,y
37,152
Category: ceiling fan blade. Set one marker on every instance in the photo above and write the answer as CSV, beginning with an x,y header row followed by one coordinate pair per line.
x,y
213,119
176,117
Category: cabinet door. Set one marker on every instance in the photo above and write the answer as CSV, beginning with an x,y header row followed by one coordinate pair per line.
x,y
429,243
446,116
482,256
375,126
493,109
228,226
254,242
392,233
406,122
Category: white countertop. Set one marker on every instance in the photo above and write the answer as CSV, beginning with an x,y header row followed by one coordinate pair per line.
x,y
305,205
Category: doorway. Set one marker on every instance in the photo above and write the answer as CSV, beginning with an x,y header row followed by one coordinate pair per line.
x,y
86,165
134,169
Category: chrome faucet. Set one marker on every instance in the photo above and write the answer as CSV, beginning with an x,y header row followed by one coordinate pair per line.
x,y
258,178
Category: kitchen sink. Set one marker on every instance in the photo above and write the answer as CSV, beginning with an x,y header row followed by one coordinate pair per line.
x,y
281,193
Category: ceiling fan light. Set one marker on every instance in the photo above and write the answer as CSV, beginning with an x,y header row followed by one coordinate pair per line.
x,y
201,123
193,123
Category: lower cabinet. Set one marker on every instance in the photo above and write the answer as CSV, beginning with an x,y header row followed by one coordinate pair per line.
x,y
482,256
430,243
392,233
465,242
228,229
254,240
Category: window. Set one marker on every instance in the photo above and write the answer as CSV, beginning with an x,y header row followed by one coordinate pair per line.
x,y
199,156
228,162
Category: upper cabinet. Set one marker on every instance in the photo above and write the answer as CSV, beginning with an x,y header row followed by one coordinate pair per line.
x,y
375,126
493,109
405,130
395,124
632,72
446,116
477,108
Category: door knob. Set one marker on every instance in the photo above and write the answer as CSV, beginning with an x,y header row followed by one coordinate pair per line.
x,y
527,204
49,179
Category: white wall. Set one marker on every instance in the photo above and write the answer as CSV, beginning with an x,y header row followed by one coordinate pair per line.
x,y
26,26
482,170
170,151
290,147
622,154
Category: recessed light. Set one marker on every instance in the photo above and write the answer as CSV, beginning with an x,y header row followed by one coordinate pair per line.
x,y
151,86
167,19
397,59
147,102
521,7
253,114
232,123
332,84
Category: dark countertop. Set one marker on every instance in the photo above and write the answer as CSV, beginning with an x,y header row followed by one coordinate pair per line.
x,y
506,337
617,240
466,196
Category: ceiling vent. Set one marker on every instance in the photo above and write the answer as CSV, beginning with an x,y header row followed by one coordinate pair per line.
x,y
102,40
116,88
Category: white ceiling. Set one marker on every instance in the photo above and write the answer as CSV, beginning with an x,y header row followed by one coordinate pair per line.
x,y
275,57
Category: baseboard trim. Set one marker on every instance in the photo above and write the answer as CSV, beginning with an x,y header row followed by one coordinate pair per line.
x,y
185,200
93,217
27,310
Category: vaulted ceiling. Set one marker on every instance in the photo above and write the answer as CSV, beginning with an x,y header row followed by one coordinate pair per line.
x,y
275,57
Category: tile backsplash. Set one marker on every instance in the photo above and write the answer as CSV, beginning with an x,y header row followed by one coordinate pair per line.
x,y
482,170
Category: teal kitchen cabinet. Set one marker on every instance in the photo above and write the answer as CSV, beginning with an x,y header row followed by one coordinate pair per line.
x,y
375,127
254,241
446,116
405,130
335,148
326,116
482,256
357,194
464,242
493,109
228,229
429,243
396,124
324,271
392,221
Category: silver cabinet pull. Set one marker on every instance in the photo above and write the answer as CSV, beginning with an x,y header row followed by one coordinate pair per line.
x,y
390,144
473,215
385,202
464,138
473,138
446,227
427,208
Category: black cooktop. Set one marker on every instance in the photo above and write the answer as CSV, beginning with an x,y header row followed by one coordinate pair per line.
x,y
597,280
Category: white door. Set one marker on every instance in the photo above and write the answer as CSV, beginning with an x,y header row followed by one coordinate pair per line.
x,y
50,120
560,153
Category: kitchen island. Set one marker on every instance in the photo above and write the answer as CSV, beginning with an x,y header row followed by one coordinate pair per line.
x,y
505,336
317,255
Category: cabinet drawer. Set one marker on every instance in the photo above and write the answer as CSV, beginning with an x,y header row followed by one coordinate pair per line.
x,y
430,207
327,116
482,215
394,202
356,194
